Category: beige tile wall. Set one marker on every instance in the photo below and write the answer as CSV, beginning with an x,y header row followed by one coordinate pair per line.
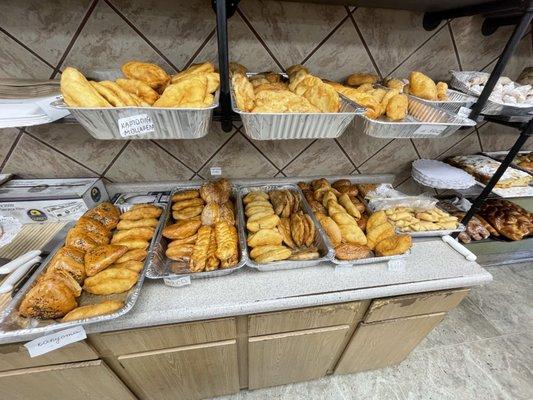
x,y
39,38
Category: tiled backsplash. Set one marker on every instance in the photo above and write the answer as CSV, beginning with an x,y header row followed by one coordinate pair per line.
x,y
39,38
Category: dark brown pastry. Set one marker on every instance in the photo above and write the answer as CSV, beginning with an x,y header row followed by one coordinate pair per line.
x,y
48,299
508,218
105,213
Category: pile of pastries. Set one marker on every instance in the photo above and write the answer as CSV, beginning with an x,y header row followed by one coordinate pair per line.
x,y
342,216
143,85
203,236
476,229
505,91
277,227
482,168
409,219
507,218
269,92
525,161
103,255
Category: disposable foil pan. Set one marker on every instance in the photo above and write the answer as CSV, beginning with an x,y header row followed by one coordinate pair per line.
x,y
324,250
13,325
459,81
422,121
442,232
455,101
168,123
162,267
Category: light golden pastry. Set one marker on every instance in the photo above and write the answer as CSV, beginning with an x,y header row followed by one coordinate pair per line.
x,y
48,300
141,213
139,89
210,214
268,222
180,252
63,277
132,244
348,251
265,237
80,240
151,74
270,86
375,219
422,86
126,98
442,91
281,101
199,252
277,254
64,262
212,261
346,202
187,203
393,245
182,229
253,196
227,243
111,281
294,69
145,233
108,94
93,310
194,69
310,232
298,225
132,265
397,107
100,257
284,228
379,233
186,240
187,213
359,79
331,229
244,92
78,92
139,223
395,84
304,254
319,94
186,194
189,92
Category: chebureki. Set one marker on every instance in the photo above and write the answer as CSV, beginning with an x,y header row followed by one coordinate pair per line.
x,y
88,261
143,85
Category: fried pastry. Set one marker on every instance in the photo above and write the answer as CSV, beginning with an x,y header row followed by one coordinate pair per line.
x,y
378,233
151,74
194,69
187,203
281,101
186,240
48,299
182,229
393,245
111,281
133,233
395,84
359,79
375,219
180,252
212,261
397,107
243,91
235,68
252,196
284,228
132,244
139,89
348,251
108,94
227,213
422,86
139,223
78,92
185,195
227,241
277,253
100,257
442,91
141,213
105,213
297,228
268,222
319,94
93,310
191,90
331,229
304,254
63,262
80,240
132,255
199,252
260,215
346,202
265,237
126,98
210,214
187,213
310,235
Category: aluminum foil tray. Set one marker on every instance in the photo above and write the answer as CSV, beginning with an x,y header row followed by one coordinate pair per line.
x,y
455,101
458,81
165,268
13,325
324,250
443,232
423,121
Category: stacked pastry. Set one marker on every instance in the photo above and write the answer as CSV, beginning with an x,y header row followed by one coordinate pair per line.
x,y
272,93
341,215
409,219
204,236
96,257
277,227
475,228
525,161
508,218
420,85
143,85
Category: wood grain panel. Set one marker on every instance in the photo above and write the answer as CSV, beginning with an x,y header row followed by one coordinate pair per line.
x,y
382,344
91,380
414,304
292,357
304,318
190,372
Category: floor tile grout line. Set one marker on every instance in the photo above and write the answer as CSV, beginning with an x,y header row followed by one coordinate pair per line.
x,y
326,38
173,156
345,153
216,152
141,35
365,45
499,55
11,149
259,150
455,48
416,149
259,38
21,44
479,139
112,162
58,151
74,38
199,50
298,155
376,152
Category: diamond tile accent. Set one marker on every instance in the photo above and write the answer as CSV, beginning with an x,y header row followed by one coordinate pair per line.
x,y
52,26
291,30
32,159
76,142
17,62
107,41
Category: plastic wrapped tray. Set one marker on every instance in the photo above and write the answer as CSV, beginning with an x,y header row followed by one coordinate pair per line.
x,y
162,267
324,250
423,121
13,325
500,155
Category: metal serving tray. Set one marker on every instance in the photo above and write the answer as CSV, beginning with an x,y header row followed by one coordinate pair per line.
x,y
458,81
320,240
12,324
161,268
279,126
455,101
423,121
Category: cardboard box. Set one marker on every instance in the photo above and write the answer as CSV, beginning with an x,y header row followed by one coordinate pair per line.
x,y
50,200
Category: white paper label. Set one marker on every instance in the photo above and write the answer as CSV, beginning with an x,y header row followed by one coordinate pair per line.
x,y
178,282
216,171
135,125
464,112
434,130
55,341
396,265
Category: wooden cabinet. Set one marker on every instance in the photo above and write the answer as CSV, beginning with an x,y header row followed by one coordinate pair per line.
x,y
91,380
382,344
188,372
293,356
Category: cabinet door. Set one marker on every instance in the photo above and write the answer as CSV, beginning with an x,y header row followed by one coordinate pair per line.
x,y
382,344
91,380
293,356
189,372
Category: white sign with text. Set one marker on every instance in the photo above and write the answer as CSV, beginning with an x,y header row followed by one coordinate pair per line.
x,y
54,341
135,125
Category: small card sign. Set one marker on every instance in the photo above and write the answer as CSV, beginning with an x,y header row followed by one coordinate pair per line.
x,y
135,125
396,265
55,341
216,171
178,282
433,130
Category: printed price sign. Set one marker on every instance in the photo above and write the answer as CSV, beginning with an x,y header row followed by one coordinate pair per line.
x,y
135,125
178,282
54,341
433,130
216,171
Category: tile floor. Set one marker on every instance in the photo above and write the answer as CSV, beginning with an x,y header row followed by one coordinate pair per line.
x,y
482,350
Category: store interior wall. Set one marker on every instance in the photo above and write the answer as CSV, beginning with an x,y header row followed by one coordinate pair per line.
x,y
39,38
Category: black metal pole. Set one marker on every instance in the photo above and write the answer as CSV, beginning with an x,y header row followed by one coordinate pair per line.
x,y
507,53
223,65
526,132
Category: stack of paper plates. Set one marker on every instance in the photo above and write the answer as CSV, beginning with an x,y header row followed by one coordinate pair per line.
x,y
439,175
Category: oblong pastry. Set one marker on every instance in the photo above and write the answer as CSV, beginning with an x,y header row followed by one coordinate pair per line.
x,y
106,213
199,250
129,224
48,299
178,205
132,244
80,240
265,237
227,242
64,262
149,73
132,265
145,233
186,194
93,310
182,229
139,88
141,213
135,254
99,258
92,225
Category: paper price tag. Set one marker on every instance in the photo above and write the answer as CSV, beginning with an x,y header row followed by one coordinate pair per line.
x,y
178,282
215,171
396,265
464,112
54,341
433,130
135,125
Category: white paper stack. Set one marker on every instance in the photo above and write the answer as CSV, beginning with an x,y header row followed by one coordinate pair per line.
x,y
439,175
